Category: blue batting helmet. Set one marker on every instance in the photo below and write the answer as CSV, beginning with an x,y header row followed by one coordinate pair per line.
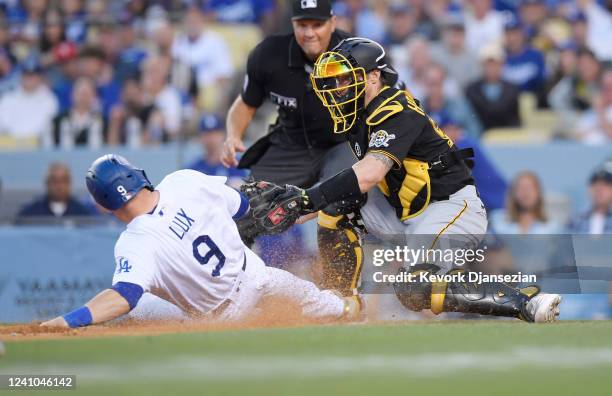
x,y
113,181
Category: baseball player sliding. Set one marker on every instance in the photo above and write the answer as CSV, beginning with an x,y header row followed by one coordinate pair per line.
x,y
182,245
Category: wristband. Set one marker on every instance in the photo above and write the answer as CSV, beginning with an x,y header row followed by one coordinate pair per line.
x,y
80,317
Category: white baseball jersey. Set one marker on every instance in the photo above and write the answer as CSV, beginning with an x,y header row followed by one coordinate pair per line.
x,y
187,250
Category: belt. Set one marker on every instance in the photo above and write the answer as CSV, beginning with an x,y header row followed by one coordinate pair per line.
x,y
450,158
223,306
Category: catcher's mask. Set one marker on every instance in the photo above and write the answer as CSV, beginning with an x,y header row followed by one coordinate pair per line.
x,y
339,78
339,86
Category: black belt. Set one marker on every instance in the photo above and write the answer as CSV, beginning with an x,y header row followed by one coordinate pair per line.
x,y
450,158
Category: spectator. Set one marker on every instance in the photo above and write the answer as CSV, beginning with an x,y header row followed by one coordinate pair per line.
x,y
483,25
9,74
491,184
96,11
494,99
595,125
415,69
163,96
597,219
212,135
599,25
131,121
344,19
75,20
460,63
565,65
206,53
163,37
579,26
28,111
67,73
94,65
259,12
30,26
130,55
369,22
400,26
436,102
524,66
107,39
83,124
533,14
52,36
525,212
180,73
423,13
5,36
573,94
58,200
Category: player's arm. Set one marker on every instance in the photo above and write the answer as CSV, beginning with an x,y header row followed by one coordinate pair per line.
x,y
108,305
371,170
243,109
238,119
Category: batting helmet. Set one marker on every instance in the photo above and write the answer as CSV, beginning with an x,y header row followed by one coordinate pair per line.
x,y
113,181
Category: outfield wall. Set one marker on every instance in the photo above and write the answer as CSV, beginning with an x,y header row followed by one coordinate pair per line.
x,y
48,271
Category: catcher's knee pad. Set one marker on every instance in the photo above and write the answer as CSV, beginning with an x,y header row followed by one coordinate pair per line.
x,y
494,298
341,253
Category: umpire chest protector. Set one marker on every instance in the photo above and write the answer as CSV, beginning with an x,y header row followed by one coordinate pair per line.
x,y
428,167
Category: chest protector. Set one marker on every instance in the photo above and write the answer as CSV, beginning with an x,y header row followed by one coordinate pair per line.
x,y
412,193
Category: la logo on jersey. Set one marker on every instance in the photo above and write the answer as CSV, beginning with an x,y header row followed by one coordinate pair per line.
x,y
381,139
309,4
123,265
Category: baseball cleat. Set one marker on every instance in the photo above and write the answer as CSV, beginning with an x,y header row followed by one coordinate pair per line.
x,y
544,307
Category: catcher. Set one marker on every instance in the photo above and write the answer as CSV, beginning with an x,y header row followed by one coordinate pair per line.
x,y
418,185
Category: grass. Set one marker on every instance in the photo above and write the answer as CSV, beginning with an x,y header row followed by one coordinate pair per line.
x,y
465,358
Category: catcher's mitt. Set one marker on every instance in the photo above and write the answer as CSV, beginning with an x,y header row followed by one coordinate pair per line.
x,y
273,209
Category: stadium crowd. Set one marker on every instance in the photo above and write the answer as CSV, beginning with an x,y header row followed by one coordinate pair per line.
x,y
139,72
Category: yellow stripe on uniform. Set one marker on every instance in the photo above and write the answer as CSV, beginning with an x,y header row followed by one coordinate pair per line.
x,y
352,236
465,205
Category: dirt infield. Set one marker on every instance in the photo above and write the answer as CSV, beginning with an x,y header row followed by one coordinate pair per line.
x,y
276,315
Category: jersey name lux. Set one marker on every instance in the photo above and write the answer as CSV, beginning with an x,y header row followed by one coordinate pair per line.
x,y
181,224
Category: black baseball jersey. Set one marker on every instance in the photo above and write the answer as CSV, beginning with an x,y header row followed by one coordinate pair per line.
x,y
394,124
278,70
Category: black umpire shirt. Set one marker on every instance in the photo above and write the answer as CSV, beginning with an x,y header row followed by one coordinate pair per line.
x,y
278,69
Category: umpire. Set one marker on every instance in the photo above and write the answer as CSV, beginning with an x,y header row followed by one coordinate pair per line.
x,y
300,147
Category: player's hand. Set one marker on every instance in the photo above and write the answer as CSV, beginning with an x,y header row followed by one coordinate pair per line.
x,y
231,146
58,322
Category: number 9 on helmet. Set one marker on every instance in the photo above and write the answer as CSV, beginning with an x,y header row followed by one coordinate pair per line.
x,y
112,181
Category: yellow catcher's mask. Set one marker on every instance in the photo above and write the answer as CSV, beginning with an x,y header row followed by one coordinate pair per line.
x,y
340,87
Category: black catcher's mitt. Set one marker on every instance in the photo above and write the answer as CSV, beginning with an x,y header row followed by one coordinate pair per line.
x,y
267,216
